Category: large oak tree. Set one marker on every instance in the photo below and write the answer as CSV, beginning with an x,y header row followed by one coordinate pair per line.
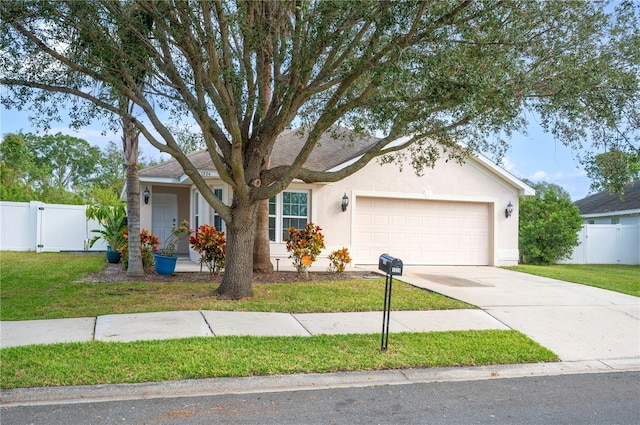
x,y
448,76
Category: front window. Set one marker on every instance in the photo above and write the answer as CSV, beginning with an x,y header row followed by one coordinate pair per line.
x,y
272,219
216,219
287,209
294,211
196,208
203,213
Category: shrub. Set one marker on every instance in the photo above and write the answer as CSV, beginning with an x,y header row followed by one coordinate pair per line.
x,y
339,259
211,245
149,244
549,225
304,246
113,220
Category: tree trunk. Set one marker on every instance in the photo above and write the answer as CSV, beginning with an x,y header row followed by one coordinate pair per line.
x,y
261,249
238,274
130,146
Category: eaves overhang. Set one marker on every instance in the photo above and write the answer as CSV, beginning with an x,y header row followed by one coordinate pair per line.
x,y
632,212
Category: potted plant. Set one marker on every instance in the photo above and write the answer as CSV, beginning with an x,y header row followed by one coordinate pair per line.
x,y
113,220
165,258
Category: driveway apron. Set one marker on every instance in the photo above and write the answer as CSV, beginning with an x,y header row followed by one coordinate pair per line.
x,y
575,321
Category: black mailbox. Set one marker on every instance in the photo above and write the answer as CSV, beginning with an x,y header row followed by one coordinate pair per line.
x,y
390,265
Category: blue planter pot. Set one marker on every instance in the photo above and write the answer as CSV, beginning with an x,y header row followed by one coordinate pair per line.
x,y
112,256
165,266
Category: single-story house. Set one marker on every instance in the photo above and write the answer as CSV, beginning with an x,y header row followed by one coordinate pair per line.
x,y
610,208
454,214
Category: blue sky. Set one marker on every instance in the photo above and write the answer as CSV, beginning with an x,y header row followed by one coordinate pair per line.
x,y
535,156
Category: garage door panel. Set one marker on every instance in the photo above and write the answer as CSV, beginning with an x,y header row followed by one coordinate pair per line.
x,y
413,220
364,219
381,220
397,239
398,220
431,221
364,238
446,222
413,257
422,232
381,238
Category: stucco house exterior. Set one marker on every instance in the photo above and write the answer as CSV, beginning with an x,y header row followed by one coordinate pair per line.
x,y
451,215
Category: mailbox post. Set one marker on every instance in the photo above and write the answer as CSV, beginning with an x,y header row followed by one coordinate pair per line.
x,y
391,266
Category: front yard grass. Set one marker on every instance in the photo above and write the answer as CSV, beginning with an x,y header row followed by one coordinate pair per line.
x,y
614,277
42,286
111,362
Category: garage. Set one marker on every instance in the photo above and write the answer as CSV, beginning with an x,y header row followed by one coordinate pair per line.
x,y
422,232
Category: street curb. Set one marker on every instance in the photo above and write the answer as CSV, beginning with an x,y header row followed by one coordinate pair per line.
x,y
300,382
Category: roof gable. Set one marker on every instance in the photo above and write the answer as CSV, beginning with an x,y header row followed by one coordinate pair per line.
x,y
605,202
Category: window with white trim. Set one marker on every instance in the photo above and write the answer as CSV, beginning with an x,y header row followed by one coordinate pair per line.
x,y
205,211
196,209
216,220
287,209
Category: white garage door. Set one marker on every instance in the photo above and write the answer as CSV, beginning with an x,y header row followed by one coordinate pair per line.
x,y
422,232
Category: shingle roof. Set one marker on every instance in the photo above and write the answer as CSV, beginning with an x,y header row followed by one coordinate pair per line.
x,y
335,147
605,202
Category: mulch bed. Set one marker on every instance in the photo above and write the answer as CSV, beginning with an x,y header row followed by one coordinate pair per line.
x,y
113,273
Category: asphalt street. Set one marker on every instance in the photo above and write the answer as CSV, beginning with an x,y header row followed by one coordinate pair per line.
x,y
595,398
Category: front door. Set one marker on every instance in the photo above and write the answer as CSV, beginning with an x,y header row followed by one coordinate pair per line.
x,y
164,215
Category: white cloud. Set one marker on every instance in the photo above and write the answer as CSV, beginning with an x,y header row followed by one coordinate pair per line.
x,y
558,176
538,175
509,165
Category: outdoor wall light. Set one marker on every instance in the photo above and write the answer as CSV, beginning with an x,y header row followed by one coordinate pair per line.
x,y
345,202
146,194
509,210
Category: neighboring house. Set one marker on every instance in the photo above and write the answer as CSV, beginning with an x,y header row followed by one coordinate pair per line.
x,y
451,215
611,228
607,208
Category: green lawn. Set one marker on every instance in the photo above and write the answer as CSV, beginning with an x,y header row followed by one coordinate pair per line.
x,y
614,277
28,293
110,362
41,286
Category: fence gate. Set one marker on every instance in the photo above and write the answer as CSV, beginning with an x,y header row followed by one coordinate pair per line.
x,y
61,228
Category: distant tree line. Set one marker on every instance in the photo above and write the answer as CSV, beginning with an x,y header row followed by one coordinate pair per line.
x,y
60,169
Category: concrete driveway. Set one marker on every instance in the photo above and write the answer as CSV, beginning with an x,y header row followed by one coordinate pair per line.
x,y
577,322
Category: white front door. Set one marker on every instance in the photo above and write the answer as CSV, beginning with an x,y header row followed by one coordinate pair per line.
x,y
164,215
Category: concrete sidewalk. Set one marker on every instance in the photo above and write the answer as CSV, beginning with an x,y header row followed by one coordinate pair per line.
x,y
183,324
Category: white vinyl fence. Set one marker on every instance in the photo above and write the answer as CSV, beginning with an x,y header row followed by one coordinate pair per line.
x,y
36,226
607,244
